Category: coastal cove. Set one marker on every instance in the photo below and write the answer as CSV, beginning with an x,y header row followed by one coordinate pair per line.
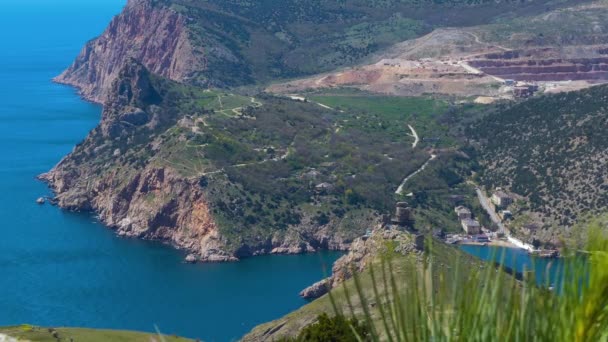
x,y
546,270
65,269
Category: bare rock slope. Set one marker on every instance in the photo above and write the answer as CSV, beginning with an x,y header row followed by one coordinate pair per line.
x,y
163,165
155,36
139,201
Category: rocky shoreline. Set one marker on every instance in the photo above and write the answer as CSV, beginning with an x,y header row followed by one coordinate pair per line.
x,y
130,216
361,253
140,199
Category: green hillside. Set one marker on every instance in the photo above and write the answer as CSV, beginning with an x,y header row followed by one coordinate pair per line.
x,y
267,167
258,41
42,334
553,151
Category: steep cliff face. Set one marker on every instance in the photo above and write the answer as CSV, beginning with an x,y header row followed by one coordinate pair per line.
x,y
223,43
163,164
155,204
154,35
136,199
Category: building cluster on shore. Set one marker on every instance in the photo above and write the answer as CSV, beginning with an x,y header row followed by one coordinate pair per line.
x,y
469,224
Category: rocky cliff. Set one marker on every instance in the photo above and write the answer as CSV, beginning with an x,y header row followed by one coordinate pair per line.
x,y
384,241
136,199
164,165
154,35
362,251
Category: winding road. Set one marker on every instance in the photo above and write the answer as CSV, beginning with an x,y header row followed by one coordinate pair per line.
x,y
485,203
415,135
400,188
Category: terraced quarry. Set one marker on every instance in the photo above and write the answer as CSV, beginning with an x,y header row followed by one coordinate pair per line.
x,y
476,61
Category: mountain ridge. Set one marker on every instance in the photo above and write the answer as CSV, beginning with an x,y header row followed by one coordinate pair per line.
x,y
172,162
228,44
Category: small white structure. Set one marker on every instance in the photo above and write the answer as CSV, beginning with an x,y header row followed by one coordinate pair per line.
x,y
520,244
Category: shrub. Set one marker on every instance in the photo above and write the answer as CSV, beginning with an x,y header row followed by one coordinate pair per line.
x,y
337,328
487,304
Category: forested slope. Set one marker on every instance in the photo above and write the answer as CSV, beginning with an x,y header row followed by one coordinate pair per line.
x,y
553,150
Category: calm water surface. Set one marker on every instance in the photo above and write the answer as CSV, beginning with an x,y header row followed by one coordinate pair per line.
x,y
64,269
546,270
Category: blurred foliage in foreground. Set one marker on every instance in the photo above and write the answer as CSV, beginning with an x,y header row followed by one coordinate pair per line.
x,y
484,305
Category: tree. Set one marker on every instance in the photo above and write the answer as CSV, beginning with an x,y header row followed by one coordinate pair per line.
x,y
334,329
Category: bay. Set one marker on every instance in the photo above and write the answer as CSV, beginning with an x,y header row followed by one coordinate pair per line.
x,y
64,269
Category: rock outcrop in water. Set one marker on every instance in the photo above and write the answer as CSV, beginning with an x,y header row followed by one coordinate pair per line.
x,y
362,252
384,240
156,36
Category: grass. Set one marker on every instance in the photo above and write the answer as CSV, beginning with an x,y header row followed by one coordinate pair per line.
x,y
447,296
392,107
489,305
394,113
40,334
444,257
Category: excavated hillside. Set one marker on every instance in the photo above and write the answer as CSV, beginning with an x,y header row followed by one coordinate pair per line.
x,y
219,43
563,48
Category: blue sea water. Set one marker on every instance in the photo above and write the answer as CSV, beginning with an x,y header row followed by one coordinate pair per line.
x,y
546,271
64,269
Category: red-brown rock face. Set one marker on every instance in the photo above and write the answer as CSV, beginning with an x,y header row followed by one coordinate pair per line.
x,y
157,37
510,65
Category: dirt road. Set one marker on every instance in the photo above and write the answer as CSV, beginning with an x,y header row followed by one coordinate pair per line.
x,y
485,203
415,135
400,188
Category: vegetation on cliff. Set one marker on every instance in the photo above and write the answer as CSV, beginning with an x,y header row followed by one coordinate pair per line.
x,y
233,176
442,297
42,334
552,151
337,328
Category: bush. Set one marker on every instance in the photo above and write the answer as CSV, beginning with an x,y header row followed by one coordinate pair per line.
x,y
336,328
488,304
